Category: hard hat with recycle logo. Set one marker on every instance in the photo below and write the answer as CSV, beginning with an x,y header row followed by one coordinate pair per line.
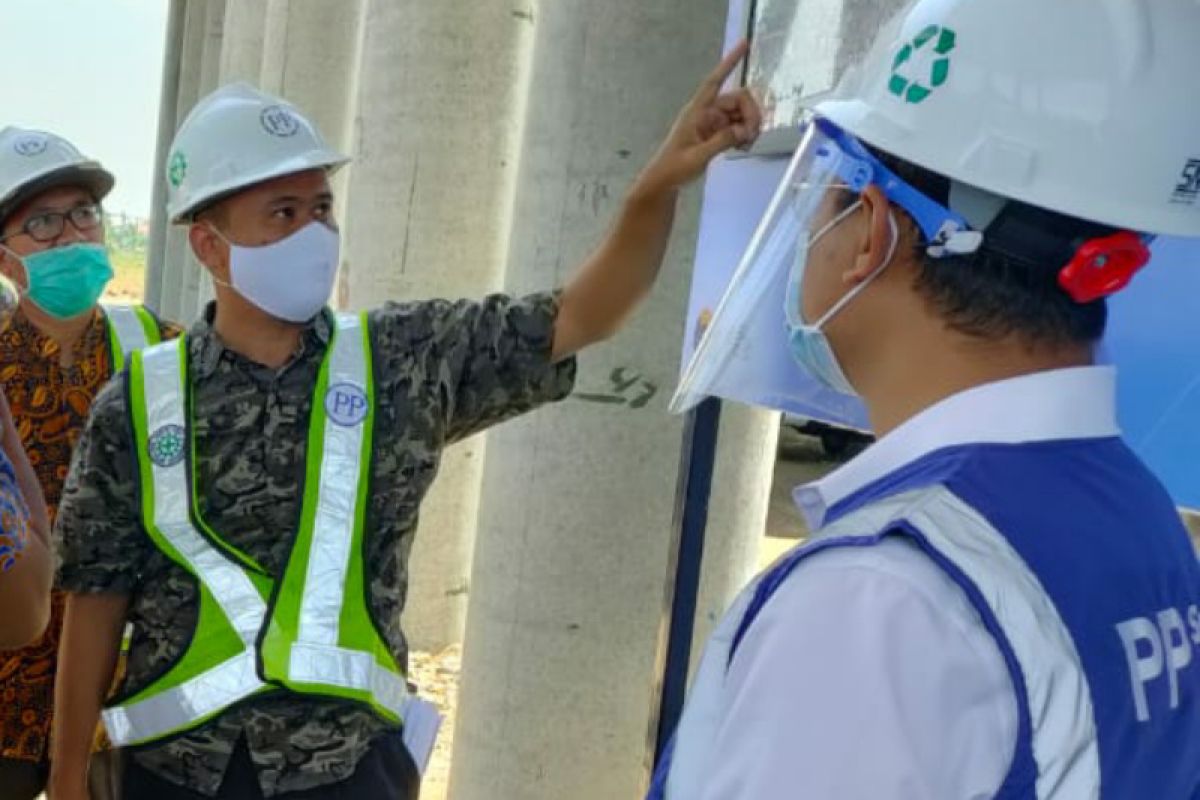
x,y
1072,107
235,138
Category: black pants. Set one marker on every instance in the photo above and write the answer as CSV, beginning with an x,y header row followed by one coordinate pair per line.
x,y
26,780
22,780
386,772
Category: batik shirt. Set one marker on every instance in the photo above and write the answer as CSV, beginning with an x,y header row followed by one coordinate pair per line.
x,y
50,405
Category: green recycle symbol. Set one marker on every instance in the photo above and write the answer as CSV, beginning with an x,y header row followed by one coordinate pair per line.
x,y
916,91
178,169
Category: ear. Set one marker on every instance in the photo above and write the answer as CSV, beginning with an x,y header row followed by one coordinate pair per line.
x,y
12,269
876,236
209,249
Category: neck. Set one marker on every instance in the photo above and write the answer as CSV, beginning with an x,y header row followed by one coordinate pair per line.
x,y
914,375
250,332
66,333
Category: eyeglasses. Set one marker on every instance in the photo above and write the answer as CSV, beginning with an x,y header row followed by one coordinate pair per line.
x,y
50,225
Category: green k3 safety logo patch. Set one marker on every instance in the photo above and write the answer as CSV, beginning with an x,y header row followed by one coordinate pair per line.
x,y
178,169
923,65
166,446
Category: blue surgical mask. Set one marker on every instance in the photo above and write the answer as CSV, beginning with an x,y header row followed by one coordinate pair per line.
x,y
811,350
67,281
809,345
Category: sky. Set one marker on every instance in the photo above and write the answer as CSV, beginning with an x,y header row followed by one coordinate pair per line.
x,y
89,70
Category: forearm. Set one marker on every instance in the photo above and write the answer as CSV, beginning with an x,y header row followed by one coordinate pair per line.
x,y
25,593
26,560
88,653
619,275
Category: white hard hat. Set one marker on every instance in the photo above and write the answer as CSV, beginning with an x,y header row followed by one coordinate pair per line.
x,y
1076,106
235,138
32,162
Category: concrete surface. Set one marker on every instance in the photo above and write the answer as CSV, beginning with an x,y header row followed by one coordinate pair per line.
x,y
575,520
436,138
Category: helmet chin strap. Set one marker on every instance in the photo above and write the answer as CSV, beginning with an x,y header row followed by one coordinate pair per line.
x,y
857,290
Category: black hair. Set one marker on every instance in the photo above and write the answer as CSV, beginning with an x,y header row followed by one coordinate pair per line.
x,y
1012,289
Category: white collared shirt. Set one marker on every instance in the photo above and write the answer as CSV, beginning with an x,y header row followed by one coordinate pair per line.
x,y
869,674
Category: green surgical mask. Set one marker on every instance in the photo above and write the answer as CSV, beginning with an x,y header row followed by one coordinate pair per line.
x,y
67,281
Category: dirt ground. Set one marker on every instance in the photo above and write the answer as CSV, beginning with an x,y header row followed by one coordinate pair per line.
x,y
437,676
128,283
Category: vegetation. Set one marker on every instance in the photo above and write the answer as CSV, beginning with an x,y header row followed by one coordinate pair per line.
x,y
126,237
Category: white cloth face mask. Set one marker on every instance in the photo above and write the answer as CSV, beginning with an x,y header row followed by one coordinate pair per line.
x,y
291,279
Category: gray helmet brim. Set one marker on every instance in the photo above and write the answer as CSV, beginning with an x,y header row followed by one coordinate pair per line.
x,y
92,177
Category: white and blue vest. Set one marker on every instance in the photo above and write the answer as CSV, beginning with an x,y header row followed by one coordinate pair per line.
x,y
1080,568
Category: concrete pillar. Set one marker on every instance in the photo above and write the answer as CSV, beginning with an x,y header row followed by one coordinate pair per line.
x,y
242,47
199,73
559,682
737,512
177,258
195,286
311,51
168,113
439,106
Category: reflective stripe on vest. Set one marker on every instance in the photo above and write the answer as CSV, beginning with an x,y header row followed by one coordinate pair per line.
x,y
158,394
306,644
130,328
1057,738
317,634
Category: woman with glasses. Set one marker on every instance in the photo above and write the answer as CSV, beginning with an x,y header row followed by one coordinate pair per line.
x,y
57,350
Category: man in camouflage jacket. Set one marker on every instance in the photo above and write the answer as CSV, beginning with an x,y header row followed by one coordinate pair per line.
x,y
443,371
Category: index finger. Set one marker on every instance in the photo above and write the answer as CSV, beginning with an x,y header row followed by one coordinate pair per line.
x,y
716,79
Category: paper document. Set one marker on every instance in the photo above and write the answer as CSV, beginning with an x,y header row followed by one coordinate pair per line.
x,y
422,721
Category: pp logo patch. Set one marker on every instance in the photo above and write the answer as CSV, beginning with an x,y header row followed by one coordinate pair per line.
x,y
30,145
279,121
166,446
346,404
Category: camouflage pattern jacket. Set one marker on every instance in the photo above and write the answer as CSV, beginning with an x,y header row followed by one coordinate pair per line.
x,y
443,371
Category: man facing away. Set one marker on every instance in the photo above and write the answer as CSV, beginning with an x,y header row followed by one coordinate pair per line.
x,y
999,600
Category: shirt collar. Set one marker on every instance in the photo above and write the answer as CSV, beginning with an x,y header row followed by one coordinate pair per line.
x,y
207,349
1076,403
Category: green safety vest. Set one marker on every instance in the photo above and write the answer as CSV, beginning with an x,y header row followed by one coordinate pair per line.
x,y
130,328
308,632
